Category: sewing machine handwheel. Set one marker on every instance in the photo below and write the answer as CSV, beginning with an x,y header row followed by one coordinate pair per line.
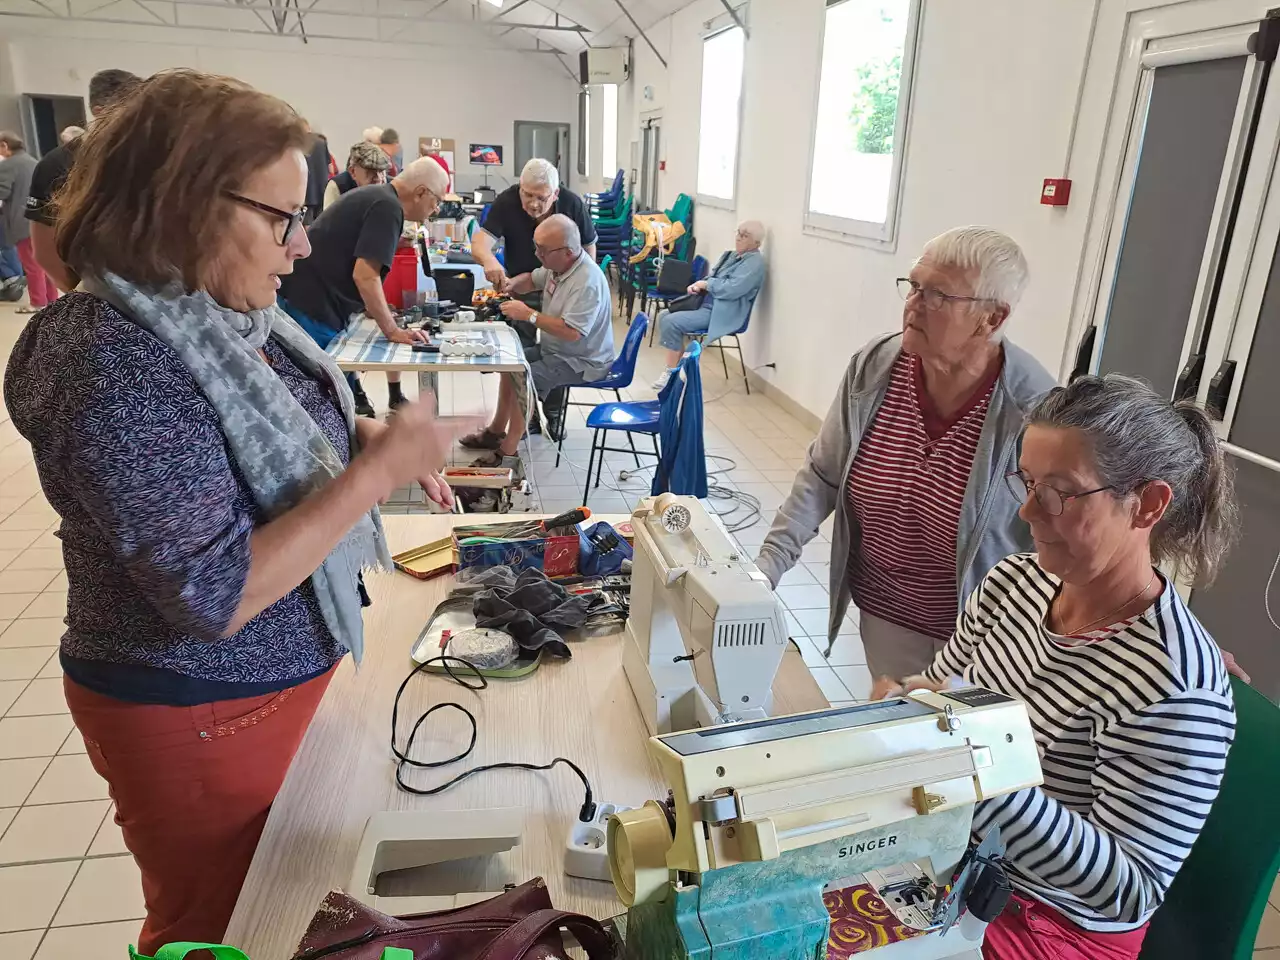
x,y
673,514
637,841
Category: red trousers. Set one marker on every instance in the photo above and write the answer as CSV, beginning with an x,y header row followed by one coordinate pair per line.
x,y
192,788
1029,930
40,286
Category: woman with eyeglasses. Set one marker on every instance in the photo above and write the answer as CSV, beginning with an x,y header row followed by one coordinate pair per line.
x,y
912,456
218,496
1128,696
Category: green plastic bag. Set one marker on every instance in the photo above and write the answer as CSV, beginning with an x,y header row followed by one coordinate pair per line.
x,y
176,951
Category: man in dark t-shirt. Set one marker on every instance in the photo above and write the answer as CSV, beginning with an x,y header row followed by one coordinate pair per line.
x,y
516,213
352,245
52,171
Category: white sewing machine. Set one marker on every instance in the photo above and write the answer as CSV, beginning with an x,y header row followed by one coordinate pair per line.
x,y
802,836
706,633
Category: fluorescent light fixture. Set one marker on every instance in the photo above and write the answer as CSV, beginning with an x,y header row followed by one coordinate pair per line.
x,y
496,3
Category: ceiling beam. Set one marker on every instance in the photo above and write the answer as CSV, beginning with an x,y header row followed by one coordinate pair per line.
x,y
122,21
736,19
515,6
661,59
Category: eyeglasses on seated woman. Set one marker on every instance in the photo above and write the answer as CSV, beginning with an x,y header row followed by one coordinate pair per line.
x,y
1127,693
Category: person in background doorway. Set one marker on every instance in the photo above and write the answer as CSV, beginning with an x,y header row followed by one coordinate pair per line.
x,y
106,87
318,163
389,141
70,133
16,165
577,346
728,294
15,186
217,494
366,164
352,245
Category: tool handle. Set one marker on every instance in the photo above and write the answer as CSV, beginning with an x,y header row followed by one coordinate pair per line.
x,y
570,518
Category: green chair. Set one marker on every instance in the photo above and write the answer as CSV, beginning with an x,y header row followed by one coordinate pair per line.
x,y
1216,901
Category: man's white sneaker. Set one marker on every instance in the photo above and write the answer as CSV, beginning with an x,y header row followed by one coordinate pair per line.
x,y
661,382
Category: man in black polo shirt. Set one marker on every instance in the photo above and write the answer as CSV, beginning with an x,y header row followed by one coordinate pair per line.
x,y
51,173
352,246
513,216
516,213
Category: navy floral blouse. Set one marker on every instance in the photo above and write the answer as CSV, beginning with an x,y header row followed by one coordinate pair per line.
x,y
156,517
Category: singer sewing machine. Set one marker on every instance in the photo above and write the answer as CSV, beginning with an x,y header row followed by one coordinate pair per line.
x,y
706,632
824,834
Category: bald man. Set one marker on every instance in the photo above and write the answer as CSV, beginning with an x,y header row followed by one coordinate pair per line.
x,y
352,245
576,322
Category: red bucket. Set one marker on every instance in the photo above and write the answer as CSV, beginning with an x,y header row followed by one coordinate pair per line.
x,y
401,282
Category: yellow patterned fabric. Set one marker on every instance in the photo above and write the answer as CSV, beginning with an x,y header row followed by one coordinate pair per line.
x,y
861,921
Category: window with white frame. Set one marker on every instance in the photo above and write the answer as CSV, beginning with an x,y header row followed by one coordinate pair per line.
x,y
609,132
722,55
867,49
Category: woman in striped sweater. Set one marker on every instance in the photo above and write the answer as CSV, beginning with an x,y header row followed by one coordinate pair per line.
x,y
1128,695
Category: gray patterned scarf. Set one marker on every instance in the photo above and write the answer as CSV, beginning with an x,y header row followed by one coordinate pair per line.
x,y
279,448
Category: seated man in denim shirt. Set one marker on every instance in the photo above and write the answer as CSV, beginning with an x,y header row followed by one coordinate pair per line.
x,y
576,322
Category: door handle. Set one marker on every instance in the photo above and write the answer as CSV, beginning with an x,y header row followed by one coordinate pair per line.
x,y
1188,383
1220,390
1084,354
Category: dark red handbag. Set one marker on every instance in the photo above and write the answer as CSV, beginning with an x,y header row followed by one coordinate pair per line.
x,y
520,924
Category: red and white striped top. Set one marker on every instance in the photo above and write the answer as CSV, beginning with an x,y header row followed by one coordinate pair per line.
x,y
906,488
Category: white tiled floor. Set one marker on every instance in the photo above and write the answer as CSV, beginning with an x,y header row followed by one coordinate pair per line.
x,y
69,890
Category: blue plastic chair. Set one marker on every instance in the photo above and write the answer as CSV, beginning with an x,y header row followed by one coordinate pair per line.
x,y
620,375
736,345
697,270
630,417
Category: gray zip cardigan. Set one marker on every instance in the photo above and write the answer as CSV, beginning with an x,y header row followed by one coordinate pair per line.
x,y
989,528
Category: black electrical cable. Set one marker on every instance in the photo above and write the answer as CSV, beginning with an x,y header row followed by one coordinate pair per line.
x,y
586,814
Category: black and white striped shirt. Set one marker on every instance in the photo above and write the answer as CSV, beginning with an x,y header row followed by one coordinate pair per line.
x,y
1133,732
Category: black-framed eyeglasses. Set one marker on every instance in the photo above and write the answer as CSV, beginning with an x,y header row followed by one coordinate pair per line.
x,y
1052,500
933,298
292,220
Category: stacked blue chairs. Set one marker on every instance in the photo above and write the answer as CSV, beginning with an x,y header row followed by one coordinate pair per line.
x,y
605,203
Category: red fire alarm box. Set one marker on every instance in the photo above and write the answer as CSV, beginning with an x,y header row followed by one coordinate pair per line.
x,y
1055,192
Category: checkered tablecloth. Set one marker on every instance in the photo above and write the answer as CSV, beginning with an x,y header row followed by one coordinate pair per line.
x,y
363,347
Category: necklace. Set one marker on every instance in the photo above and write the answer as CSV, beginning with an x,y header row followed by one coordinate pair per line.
x,y
1111,613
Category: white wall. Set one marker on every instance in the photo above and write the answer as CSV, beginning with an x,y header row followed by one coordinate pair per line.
x,y
341,88
994,95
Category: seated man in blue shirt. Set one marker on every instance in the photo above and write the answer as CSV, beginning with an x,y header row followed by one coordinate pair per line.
x,y
728,295
576,346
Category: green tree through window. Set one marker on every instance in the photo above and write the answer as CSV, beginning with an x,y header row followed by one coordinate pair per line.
x,y
874,113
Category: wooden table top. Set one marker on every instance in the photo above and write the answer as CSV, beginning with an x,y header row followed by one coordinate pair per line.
x,y
582,709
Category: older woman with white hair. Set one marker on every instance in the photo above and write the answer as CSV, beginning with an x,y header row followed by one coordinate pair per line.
x,y
913,453
727,295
